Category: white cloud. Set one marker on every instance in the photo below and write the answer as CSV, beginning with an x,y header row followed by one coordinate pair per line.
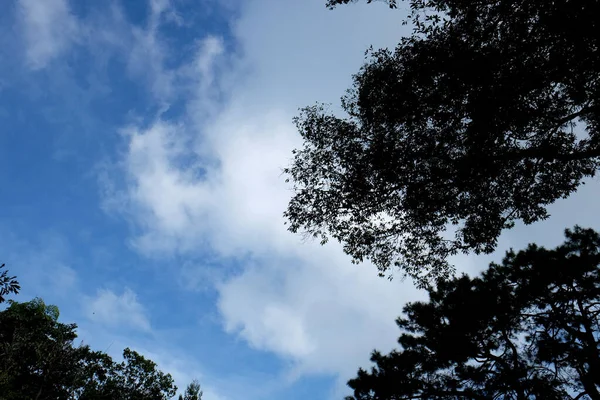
x,y
172,207
318,311
210,48
49,29
217,182
148,54
214,180
113,310
208,58
146,59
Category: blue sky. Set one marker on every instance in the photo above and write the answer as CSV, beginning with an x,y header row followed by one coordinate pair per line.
x,y
141,148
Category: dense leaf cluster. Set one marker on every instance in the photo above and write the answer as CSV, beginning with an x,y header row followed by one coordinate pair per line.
x,y
528,328
39,360
463,129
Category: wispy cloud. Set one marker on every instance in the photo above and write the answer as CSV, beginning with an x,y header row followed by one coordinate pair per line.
x,y
49,30
117,310
167,201
212,181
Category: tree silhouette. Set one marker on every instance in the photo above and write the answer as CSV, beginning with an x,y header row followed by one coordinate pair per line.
x,y
39,360
192,392
8,284
463,129
528,328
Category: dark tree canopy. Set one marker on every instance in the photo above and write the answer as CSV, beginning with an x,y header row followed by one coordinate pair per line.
x,y
36,353
528,328
135,378
192,392
39,360
465,128
8,284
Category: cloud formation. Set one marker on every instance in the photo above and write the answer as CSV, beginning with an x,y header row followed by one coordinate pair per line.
x,y
49,30
211,181
118,310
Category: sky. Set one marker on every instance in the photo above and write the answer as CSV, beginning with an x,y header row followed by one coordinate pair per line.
x,y
142,144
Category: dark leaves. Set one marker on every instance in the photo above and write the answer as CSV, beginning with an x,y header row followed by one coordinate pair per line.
x,y
526,329
8,284
462,130
39,359
192,392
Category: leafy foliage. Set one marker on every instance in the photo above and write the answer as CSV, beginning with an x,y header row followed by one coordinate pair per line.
x,y
192,392
8,284
526,329
36,354
465,128
39,360
135,378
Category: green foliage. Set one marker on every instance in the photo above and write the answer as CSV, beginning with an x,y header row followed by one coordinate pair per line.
x,y
192,392
8,284
36,352
135,378
463,129
39,360
528,328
